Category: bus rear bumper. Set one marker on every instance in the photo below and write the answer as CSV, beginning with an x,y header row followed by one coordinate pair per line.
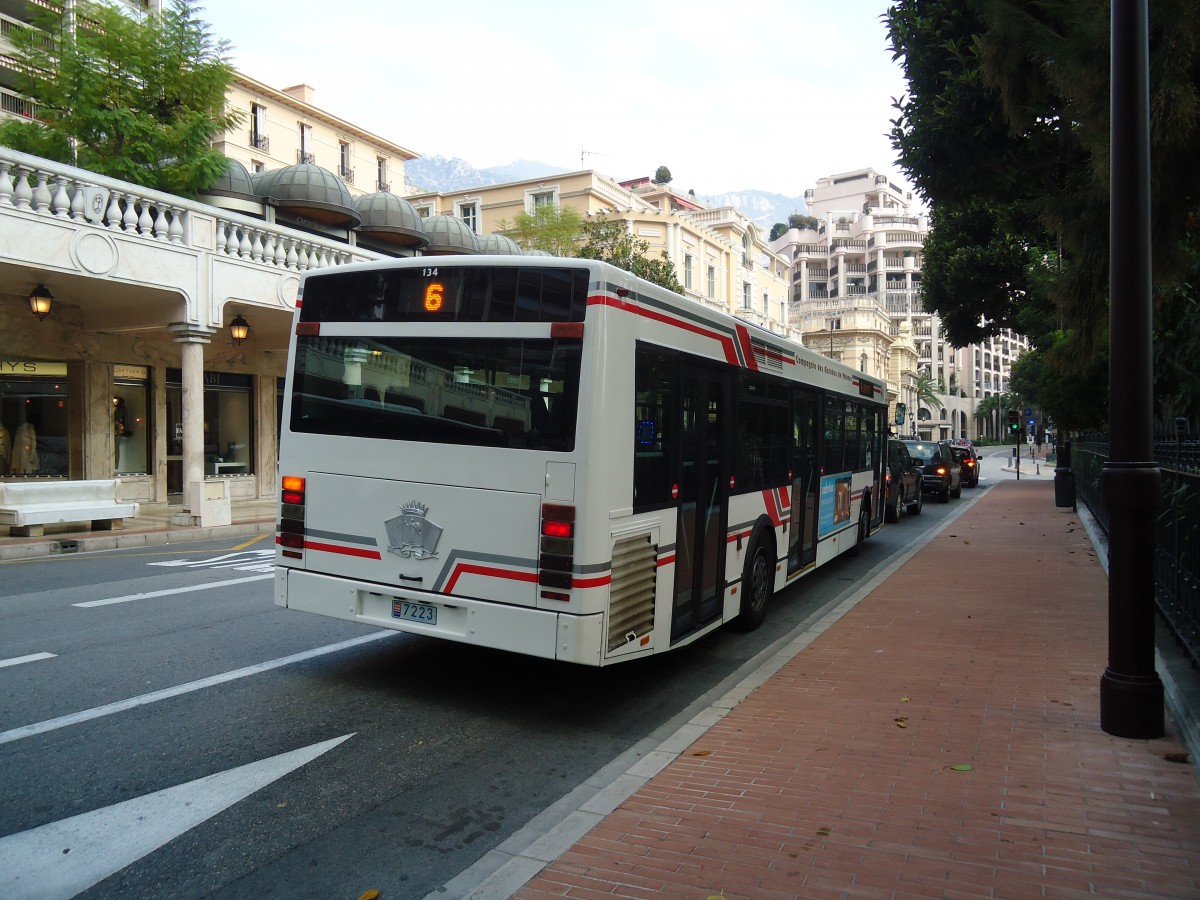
x,y
534,632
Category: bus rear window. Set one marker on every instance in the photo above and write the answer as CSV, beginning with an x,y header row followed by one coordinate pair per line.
x,y
447,293
522,394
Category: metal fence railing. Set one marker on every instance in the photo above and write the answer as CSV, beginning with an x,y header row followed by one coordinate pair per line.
x,y
1177,532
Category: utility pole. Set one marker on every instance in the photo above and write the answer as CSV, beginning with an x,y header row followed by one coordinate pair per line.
x,y
1131,693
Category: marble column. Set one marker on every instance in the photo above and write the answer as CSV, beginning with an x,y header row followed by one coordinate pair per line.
x,y
192,339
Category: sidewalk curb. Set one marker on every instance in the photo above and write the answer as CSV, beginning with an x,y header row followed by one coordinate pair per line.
x,y
51,545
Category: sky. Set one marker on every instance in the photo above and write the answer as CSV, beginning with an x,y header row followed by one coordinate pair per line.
x,y
728,96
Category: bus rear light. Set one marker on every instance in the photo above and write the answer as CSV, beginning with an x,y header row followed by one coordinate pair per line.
x,y
295,541
554,579
557,559
308,329
567,330
558,529
292,492
556,595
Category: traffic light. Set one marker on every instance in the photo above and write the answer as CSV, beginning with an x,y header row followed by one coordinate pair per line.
x,y
1014,422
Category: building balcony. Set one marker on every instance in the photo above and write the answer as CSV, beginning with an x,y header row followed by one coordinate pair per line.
x,y
302,157
346,174
260,142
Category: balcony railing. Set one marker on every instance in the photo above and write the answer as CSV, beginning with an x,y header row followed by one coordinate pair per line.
x,y
302,157
259,141
346,174
383,186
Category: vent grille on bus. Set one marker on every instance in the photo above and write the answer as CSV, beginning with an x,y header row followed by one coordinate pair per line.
x,y
631,601
767,358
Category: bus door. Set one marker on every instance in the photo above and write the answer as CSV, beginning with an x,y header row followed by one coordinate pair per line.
x,y
703,490
806,479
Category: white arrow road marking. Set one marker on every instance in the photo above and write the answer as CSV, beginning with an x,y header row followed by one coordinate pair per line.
x,y
109,601
18,660
242,556
64,858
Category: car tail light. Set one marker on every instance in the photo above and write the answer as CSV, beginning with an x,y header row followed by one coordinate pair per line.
x,y
941,470
556,561
290,535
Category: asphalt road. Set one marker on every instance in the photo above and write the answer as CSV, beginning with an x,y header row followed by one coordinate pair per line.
x,y
165,730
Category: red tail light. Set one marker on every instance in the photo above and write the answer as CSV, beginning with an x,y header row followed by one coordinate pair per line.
x,y
290,535
557,560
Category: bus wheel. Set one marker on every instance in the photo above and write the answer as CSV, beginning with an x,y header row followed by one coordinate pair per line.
x,y
758,583
864,528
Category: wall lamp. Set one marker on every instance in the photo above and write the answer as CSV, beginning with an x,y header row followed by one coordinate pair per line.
x,y
40,301
239,329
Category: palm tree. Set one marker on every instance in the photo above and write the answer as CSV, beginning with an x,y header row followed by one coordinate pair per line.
x,y
927,392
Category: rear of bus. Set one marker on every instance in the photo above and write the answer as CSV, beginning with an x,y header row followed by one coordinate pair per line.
x,y
429,452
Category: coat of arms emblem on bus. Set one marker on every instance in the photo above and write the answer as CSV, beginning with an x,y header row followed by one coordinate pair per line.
x,y
411,534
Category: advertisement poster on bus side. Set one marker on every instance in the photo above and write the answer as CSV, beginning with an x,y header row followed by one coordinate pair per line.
x,y
835,503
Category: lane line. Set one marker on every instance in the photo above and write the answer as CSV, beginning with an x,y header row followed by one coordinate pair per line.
x,y
32,657
255,540
128,598
108,709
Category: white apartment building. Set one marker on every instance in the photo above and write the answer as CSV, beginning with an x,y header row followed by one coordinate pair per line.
x,y
856,296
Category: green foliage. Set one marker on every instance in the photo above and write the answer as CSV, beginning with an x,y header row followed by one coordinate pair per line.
x,y
778,230
1052,381
550,227
609,240
927,391
662,175
1007,121
142,99
796,220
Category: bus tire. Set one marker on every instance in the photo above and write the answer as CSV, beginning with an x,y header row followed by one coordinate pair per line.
x,y
864,525
758,583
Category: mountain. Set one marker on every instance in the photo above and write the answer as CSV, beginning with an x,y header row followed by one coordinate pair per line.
x,y
763,208
437,173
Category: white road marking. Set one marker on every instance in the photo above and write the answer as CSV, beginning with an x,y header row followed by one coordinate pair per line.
x,y
97,712
64,858
128,598
239,558
32,657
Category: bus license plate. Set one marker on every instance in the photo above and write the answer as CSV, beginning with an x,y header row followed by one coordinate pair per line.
x,y
424,613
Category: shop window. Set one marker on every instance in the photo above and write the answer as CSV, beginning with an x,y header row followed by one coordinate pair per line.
x,y
131,432
228,426
33,419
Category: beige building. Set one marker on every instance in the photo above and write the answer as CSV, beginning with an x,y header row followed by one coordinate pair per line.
x,y
721,258
856,296
284,127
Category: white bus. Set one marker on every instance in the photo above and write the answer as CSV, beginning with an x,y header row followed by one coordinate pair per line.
x,y
554,457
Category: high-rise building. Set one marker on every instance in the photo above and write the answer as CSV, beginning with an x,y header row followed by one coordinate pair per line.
x,y
856,296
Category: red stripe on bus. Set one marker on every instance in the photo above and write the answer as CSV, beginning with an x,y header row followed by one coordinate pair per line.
x,y
725,340
489,571
743,334
734,535
774,510
599,581
785,499
344,551
665,560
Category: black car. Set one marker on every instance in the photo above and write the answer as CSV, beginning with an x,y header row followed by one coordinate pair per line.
x,y
968,464
940,473
903,480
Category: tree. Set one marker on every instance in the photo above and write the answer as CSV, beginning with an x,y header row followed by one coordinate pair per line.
x,y
1006,122
139,99
778,230
927,394
609,240
550,227
662,175
802,222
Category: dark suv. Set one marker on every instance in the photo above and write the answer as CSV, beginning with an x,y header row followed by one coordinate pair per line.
x,y
940,473
968,462
903,483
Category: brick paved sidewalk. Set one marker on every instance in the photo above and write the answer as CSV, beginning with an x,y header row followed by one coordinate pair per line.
x,y
941,739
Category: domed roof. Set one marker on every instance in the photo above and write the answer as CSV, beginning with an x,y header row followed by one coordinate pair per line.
x,y
308,190
538,253
235,182
449,235
500,245
392,219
